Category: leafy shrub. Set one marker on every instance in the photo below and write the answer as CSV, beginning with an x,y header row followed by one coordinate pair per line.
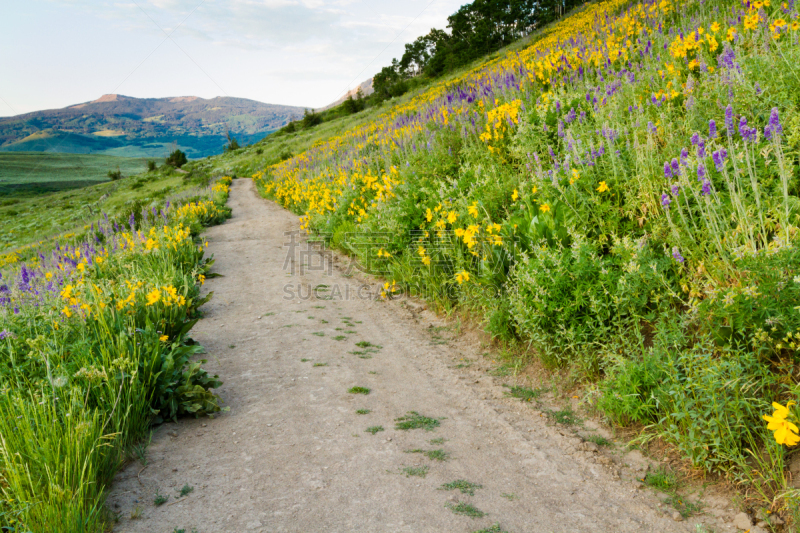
x,y
631,390
571,301
151,165
759,309
713,403
115,174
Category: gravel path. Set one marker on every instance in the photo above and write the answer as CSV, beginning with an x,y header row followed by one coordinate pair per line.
x,y
293,454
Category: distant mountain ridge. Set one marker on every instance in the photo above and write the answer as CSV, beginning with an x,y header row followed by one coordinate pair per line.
x,y
115,124
366,90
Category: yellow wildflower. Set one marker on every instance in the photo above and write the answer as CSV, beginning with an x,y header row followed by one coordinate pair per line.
x,y
153,297
514,195
544,208
462,276
785,432
603,187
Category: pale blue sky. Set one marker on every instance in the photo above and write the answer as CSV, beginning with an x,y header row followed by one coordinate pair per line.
x,y
55,53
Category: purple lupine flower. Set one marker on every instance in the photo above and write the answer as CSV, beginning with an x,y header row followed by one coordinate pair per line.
x,y
727,59
719,158
676,254
667,171
652,128
742,126
758,89
676,190
695,139
676,167
774,127
665,201
701,172
4,334
712,129
706,189
729,120
132,222
701,149
684,156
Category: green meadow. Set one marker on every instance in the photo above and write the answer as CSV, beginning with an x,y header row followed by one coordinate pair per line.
x,y
31,173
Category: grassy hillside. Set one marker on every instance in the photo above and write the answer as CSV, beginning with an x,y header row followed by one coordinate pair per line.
x,y
619,198
25,173
29,220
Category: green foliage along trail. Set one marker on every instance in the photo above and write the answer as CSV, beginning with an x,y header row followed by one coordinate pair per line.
x,y
94,348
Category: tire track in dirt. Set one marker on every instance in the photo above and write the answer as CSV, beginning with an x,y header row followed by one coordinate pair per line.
x,y
292,454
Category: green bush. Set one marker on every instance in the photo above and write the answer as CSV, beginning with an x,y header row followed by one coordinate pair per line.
x,y
573,301
176,159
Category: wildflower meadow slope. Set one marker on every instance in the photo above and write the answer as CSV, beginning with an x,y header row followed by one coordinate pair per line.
x,y
93,349
622,196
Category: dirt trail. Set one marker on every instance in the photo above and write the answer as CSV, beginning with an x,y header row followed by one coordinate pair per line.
x,y
293,455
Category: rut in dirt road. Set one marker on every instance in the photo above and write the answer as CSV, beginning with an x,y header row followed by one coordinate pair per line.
x,y
293,453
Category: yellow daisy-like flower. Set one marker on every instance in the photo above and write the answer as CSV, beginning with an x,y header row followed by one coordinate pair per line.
x,y
153,297
544,208
426,260
452,217
462,276
515,195
785,432
473,209
428,215
163,338
603,187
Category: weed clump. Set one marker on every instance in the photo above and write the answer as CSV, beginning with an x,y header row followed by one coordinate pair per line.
x,y
466,487
414,420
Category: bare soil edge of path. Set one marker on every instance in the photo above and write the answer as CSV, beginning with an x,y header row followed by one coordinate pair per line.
x,y
294,452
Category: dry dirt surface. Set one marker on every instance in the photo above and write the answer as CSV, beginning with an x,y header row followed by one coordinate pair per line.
x,y
293,453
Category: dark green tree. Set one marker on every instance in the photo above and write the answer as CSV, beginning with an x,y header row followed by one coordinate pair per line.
x,y
176,159
310,119
233,144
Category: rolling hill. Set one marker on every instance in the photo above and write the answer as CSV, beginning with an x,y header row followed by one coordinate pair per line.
x,y
144,127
